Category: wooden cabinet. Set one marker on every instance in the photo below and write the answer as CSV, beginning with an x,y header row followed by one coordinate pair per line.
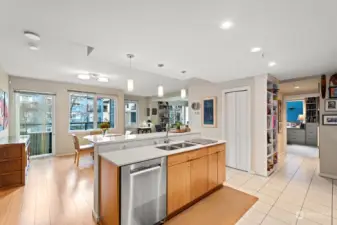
x,y
193,174
178,186
199,177
13,162
221,167
212,171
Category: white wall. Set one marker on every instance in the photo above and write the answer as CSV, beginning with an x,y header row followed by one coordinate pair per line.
x,y
64,144
4,87
258,103
327,143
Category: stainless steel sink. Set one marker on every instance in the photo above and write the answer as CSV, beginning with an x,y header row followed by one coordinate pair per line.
x,y
175,146
183,145
167,147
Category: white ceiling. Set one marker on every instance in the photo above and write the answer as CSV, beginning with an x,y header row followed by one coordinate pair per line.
x,y
183,34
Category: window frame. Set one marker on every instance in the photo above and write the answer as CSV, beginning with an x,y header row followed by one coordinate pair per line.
x,y
137,113
95,113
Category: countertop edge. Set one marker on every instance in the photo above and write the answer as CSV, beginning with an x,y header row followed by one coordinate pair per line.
x,y
161,153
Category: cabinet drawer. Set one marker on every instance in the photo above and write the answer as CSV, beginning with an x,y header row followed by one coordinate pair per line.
x,y
197,153
10,152
186,156
10,166
11,179
176,159
216,148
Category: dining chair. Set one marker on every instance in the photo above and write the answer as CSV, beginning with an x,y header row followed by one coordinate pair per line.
x,y
95,132
81,149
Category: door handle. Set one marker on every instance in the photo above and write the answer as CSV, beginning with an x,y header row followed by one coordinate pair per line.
x,y
146,170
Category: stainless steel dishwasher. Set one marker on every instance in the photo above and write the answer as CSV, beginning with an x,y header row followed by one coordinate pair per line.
x,y
143,192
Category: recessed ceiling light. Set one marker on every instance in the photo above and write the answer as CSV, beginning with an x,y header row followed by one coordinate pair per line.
x,y
226,25
271,64
83,76
33,47
102,79
297,87
256,49
32,36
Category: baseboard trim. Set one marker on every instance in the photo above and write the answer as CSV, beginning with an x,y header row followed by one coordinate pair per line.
x,y
95,216
334,177
65,154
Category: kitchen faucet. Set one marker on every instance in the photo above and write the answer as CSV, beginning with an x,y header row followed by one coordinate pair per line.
x,y
167,140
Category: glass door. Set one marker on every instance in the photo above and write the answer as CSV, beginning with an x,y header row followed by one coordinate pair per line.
x,y
35,118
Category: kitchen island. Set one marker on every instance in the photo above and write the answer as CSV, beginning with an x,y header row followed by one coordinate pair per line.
x,y
153,183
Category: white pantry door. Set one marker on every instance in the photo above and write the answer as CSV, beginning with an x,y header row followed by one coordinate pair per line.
x,y
236,125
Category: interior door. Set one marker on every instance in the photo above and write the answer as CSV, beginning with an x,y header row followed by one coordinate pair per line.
x,y
230,129
242,155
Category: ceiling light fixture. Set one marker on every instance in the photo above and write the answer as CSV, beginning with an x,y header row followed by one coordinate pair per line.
x,y
83,76
297,87
226,25
33,47
103,79
183,93
160,87
255,49
160,91
271,64
130,83
32,36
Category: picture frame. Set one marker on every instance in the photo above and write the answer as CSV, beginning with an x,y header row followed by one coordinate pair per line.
x,y
333,92
209,110
329,119
2,110
330,105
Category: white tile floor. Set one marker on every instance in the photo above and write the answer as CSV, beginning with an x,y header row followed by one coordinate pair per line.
x,y
294,194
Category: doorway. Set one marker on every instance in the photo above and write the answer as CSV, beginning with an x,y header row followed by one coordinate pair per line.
x,y
237,128
35,117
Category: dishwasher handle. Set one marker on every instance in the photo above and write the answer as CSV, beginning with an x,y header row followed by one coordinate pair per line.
x,y
146,169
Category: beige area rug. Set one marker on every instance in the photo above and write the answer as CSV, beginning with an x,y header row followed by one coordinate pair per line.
x,y
224,207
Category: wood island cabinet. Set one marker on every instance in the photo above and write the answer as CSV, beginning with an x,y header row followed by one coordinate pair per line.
x,y
178,186
194,174
199,177
212,171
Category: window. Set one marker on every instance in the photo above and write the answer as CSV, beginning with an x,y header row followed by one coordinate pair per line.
x,y
130,113
105,111
82,113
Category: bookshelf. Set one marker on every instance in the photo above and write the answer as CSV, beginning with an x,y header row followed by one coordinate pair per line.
x,y
272,126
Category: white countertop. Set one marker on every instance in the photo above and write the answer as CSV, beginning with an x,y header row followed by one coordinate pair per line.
x,y
100,139
134,155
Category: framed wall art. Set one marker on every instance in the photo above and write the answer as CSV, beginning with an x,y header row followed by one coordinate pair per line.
x,y
209,112
2,110
329,119
330,105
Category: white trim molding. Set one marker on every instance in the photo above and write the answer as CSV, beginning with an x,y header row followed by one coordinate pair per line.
x,y
248,113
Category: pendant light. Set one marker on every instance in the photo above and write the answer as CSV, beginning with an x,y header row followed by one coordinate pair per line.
x,y
183,91
160,91
160,87
130,83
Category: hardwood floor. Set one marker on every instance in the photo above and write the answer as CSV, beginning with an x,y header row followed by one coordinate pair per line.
x,y
56,193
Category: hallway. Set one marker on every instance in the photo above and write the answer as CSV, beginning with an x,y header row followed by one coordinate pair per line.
x,y
294,194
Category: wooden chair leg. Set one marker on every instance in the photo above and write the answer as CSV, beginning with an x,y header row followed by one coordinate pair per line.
x,y
75,157
78,158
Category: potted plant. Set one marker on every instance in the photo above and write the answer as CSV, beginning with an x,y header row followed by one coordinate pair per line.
x,y
178,124
104,127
